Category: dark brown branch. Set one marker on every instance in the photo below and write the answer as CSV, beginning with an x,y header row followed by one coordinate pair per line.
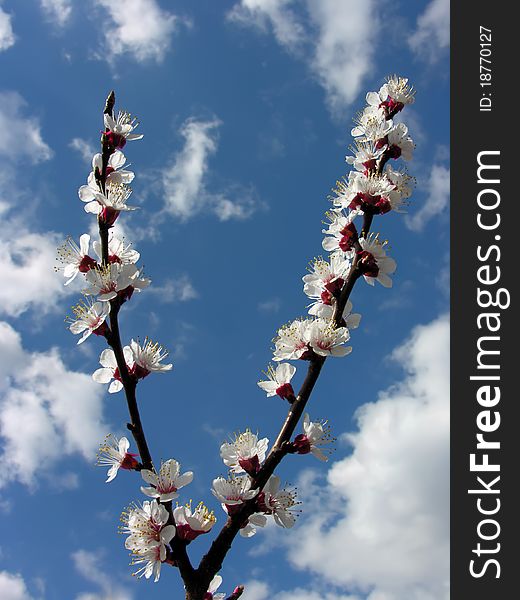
x,y
114,337
211,563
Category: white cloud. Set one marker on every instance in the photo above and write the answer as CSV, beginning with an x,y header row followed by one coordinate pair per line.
x,y
57,11
175,290
344,47
183,181
277,13
336,39
268,306
85,149
47,410
381,523
138,27
26,271
7,37
21,136
90,566
433,31
437,201
12,587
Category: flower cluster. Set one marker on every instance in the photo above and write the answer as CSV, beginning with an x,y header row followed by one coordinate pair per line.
x,y
251,493
149,526
148,533
110,273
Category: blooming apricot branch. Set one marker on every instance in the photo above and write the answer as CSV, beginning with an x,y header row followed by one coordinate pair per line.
x,y
157,532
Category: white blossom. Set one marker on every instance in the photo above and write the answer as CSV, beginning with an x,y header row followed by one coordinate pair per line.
x,y
110,370
115,172
149,533
371,125
121,128
366,155
152,557
291,343
326,339
315,434
107,205
118,250
400,144
374,263
113,453
341,233
108,281
148,357
192,523
233,492
89,317
165,485
74,259
279,381
325,280
279,503
245,453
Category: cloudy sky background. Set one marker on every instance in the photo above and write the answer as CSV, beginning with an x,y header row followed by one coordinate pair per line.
x,y
246,107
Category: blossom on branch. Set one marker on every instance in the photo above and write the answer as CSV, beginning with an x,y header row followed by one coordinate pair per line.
x,y
371,125
393,96
326,339
325,281
165,485
114,454
399,143
233,491
110,370
74,259
106,205
291,342
147,358
108,281
114,171
118,251
120,129
315,434
278,503
366,155
192,523
245,453
374,263
279,381
89,317
149,533
341,233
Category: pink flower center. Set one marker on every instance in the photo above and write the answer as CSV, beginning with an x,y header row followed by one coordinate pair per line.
x,y
326,297
250,465
115,140
376,205
394,151
108,215
391,107
185,532
285,391
301,444
86,264
368,264
140,372
129,462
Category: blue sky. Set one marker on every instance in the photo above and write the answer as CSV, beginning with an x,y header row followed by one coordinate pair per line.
x,y
246,109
